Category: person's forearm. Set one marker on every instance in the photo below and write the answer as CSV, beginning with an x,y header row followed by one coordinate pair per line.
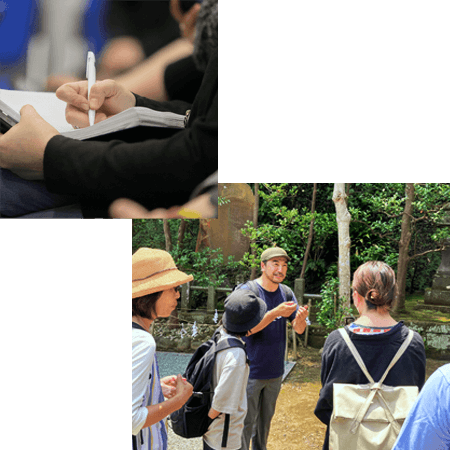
x,y
212,414
299,325
268,318
158,412
147,79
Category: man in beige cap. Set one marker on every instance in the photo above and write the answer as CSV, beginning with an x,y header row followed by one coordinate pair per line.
x,y
266,345
155,293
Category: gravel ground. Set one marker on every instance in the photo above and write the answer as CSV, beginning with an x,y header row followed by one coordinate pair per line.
x,y
176,442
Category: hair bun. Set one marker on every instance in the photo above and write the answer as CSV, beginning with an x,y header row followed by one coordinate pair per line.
x,y
373,296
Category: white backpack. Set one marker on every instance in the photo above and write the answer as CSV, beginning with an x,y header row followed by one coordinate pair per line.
x,y
369,416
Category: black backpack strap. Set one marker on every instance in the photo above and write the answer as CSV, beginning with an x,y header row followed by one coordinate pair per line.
x,y
226,427
232,342
228,343
135,440
288,293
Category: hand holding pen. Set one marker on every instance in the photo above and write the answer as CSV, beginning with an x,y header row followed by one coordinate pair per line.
x,y
98,101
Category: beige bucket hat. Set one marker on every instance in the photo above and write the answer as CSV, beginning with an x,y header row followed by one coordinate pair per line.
x,y
154,270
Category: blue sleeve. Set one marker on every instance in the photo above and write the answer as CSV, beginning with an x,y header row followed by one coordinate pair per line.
x,y
427,426
94,25
18,19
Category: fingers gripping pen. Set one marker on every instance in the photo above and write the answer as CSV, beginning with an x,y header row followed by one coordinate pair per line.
x,y
90,75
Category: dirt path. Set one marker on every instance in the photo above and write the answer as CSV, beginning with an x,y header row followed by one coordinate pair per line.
x,y
294,425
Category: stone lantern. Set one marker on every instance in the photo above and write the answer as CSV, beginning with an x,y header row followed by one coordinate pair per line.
x,y
439,294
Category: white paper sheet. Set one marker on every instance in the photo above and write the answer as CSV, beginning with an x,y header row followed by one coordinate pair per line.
x,y
46,104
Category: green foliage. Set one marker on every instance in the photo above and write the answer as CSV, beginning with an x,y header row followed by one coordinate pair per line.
x,y
284,217
208,268
376,211
326,314
150,233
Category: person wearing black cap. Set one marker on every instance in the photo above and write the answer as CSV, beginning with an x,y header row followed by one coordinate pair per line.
x,y
243,311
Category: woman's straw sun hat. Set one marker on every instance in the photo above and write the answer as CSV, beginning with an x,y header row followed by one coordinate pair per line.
x,y
154,270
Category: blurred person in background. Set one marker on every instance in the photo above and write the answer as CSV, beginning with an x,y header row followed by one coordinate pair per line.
x,y
18,21
56,51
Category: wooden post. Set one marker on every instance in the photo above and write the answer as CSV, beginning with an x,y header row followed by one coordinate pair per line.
x,y
294,344
185,296
211,302
287,341
299,292
307,326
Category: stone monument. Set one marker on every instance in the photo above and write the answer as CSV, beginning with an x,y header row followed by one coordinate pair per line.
x,y
439,295
237,208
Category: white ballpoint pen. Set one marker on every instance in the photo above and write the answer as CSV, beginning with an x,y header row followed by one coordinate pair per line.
x,y
90,75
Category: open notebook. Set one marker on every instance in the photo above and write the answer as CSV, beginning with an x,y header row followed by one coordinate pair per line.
x,y
53,111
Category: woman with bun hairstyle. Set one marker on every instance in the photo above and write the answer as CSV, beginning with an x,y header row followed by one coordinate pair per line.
x,y
155,293
376,335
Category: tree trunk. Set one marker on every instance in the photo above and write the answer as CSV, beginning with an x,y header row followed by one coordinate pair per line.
x,y
181,233
203,239
311,232
167,235
255,224
343,220
403,248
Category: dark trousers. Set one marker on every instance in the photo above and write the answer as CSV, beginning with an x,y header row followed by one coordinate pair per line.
x,y
261,400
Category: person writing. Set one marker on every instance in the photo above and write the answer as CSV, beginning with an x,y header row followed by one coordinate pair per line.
x,y
156,173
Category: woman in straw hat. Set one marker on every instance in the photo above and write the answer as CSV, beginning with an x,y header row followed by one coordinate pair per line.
x,y
155,293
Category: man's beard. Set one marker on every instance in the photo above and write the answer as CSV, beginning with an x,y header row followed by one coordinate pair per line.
x,y
278,280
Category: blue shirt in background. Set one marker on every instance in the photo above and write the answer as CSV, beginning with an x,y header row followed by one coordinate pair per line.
x,y
18,21
427,426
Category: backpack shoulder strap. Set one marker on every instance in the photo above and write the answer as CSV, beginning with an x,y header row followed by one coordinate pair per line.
x,y
355,354
288,293
375,386
253,286
399,353
360,362
229,342
232,342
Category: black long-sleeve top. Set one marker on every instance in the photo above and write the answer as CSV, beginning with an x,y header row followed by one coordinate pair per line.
x,y
377,351
155,172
